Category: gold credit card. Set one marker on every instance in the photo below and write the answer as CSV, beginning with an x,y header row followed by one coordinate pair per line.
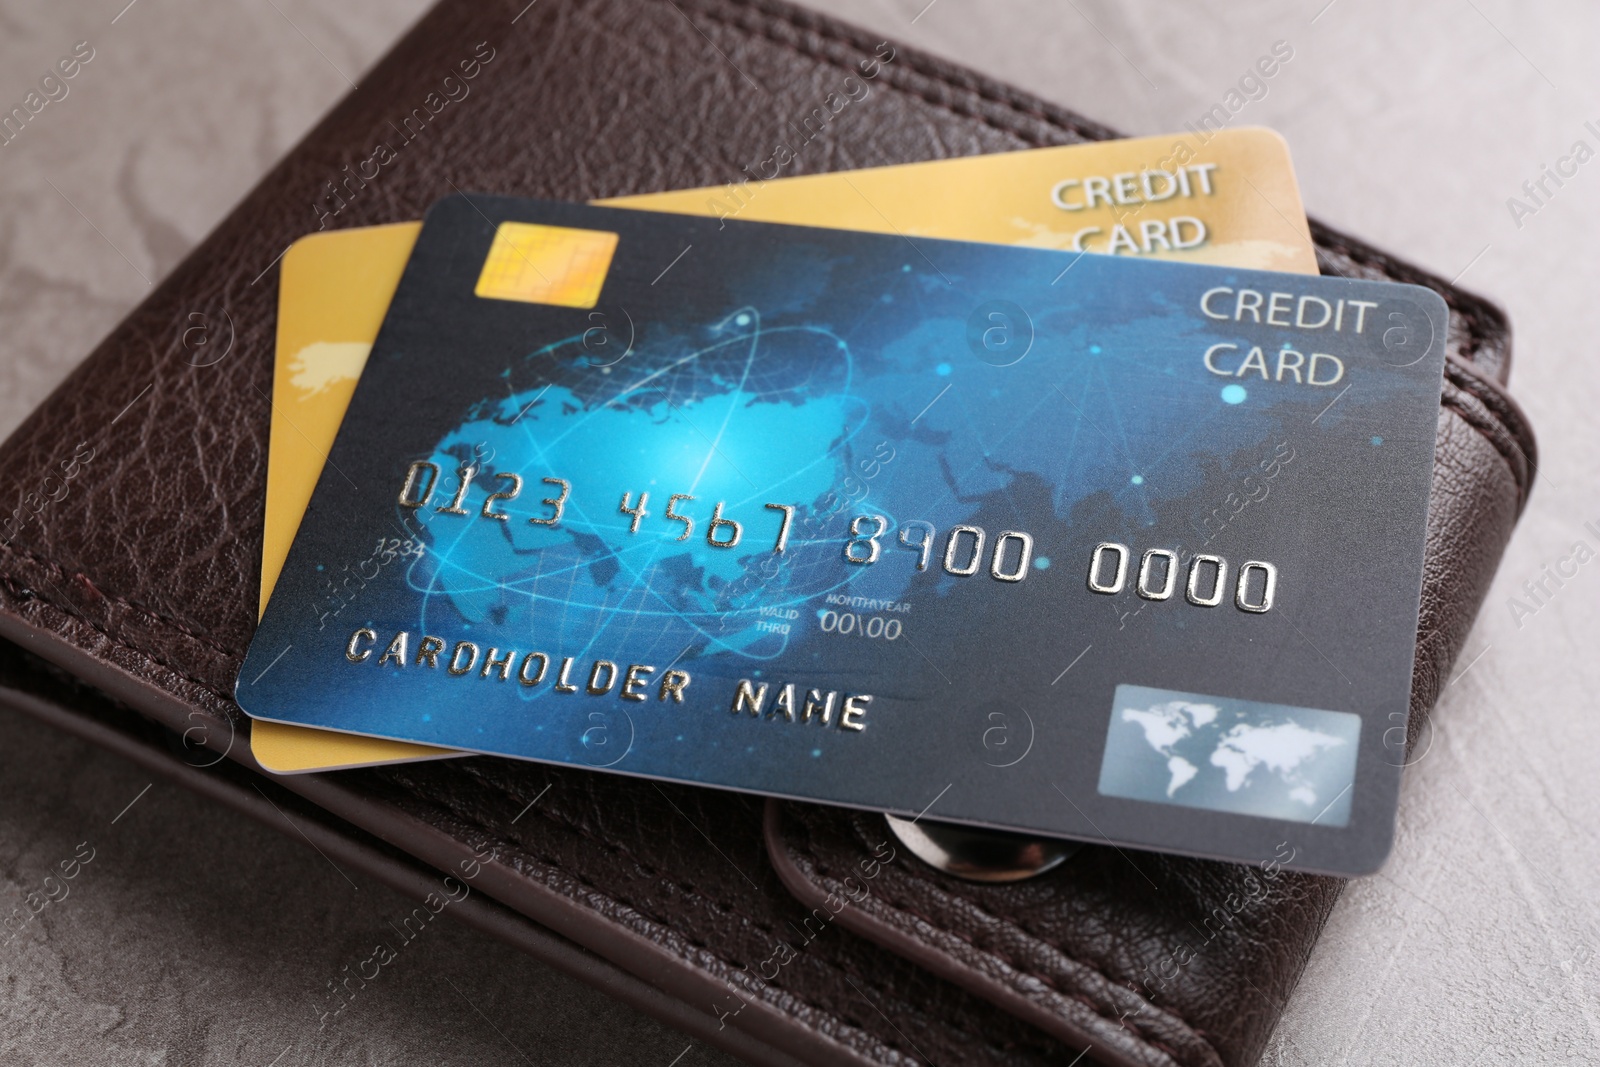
x,y
1232,200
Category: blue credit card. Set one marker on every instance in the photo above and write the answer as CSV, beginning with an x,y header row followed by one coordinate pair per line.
x,y
1084,546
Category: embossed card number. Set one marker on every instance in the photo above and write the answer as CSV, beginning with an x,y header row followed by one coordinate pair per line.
x,y
964,555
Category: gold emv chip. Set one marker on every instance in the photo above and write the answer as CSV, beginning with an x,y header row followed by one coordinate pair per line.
x,y
546,265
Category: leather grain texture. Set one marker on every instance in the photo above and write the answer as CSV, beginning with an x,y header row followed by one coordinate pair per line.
x,y
135,498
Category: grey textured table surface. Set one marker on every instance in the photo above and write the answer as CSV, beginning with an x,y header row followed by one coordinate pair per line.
x,y
198,937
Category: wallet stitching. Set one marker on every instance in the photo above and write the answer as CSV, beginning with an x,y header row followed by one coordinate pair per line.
x,y
1471,379
916,65
1453,297
1505,451
22,593
1107,1012
574,828
1508,444
1110,1014
150,613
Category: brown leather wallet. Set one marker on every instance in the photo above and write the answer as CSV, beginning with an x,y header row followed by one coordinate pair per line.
x,y
786,933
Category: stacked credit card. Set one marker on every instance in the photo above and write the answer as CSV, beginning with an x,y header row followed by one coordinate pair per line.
x,y
1052,491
